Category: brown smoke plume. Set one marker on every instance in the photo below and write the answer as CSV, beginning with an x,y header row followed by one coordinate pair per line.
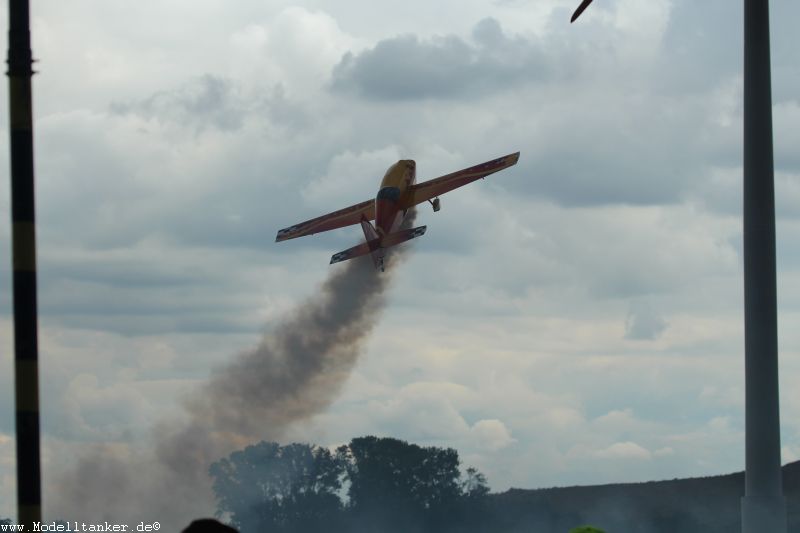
x,y
295,372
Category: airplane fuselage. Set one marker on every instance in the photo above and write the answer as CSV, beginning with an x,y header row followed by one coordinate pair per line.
x,y
395,183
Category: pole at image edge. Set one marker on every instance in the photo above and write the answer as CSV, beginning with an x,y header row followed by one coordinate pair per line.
x,y
23,230
763,505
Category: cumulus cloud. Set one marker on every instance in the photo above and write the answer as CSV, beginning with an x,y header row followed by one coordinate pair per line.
x,y
617,420
408,68
610,459
296,48
350,178
623,450
790,454
491,435
206,100
212,101
432,406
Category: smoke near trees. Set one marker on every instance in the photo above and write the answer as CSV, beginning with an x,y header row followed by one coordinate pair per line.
x,y
295,372
370,484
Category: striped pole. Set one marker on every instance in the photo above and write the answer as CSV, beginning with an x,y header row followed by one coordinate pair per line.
x,y
26,367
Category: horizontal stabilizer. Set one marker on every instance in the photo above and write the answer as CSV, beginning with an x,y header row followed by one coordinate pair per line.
x,y
402,236
356,251
377,246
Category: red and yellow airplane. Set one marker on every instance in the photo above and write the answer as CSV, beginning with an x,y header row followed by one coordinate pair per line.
x,y
398,192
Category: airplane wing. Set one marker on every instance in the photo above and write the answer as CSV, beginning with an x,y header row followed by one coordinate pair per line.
x,y
426,190
337,219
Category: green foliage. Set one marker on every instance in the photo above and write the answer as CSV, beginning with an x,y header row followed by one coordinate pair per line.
x,y
389,473
389,484
474,485
586,529
273,487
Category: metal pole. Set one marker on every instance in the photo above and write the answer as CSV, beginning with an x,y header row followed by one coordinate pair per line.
x,y
26,367
763,506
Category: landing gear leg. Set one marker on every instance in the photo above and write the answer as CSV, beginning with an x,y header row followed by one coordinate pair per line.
x,y
436,204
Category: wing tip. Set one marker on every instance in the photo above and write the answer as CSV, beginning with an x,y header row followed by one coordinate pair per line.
x,y
288,233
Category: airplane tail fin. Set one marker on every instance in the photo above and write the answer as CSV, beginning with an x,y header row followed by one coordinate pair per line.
x,y
377,246
370,233
374,242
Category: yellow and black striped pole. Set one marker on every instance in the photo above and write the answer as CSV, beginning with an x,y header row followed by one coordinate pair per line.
x,y
26,365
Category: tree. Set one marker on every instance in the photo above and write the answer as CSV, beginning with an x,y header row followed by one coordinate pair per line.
x,y
394,483
390,472
586,529
278,488
474,485
391,485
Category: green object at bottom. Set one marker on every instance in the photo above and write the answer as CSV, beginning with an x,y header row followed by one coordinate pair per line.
x,y
586,529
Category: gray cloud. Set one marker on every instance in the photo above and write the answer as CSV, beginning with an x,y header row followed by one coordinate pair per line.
x,y
407,68
174,176
212,101
697,46
643,322
207,100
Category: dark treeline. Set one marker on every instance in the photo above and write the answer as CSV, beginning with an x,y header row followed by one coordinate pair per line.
x,y
370,484
693,505
388,485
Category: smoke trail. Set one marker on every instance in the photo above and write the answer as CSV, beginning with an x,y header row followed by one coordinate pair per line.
x,y
295,372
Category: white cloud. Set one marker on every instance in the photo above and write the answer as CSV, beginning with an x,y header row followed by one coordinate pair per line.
x,y
491,435
642,25
790,454
350,178
296,48
623,450
616,420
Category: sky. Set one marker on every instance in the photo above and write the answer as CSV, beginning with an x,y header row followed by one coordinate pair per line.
x,y
575,319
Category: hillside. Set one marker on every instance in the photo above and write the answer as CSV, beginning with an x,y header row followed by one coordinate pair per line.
x,y
708,505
